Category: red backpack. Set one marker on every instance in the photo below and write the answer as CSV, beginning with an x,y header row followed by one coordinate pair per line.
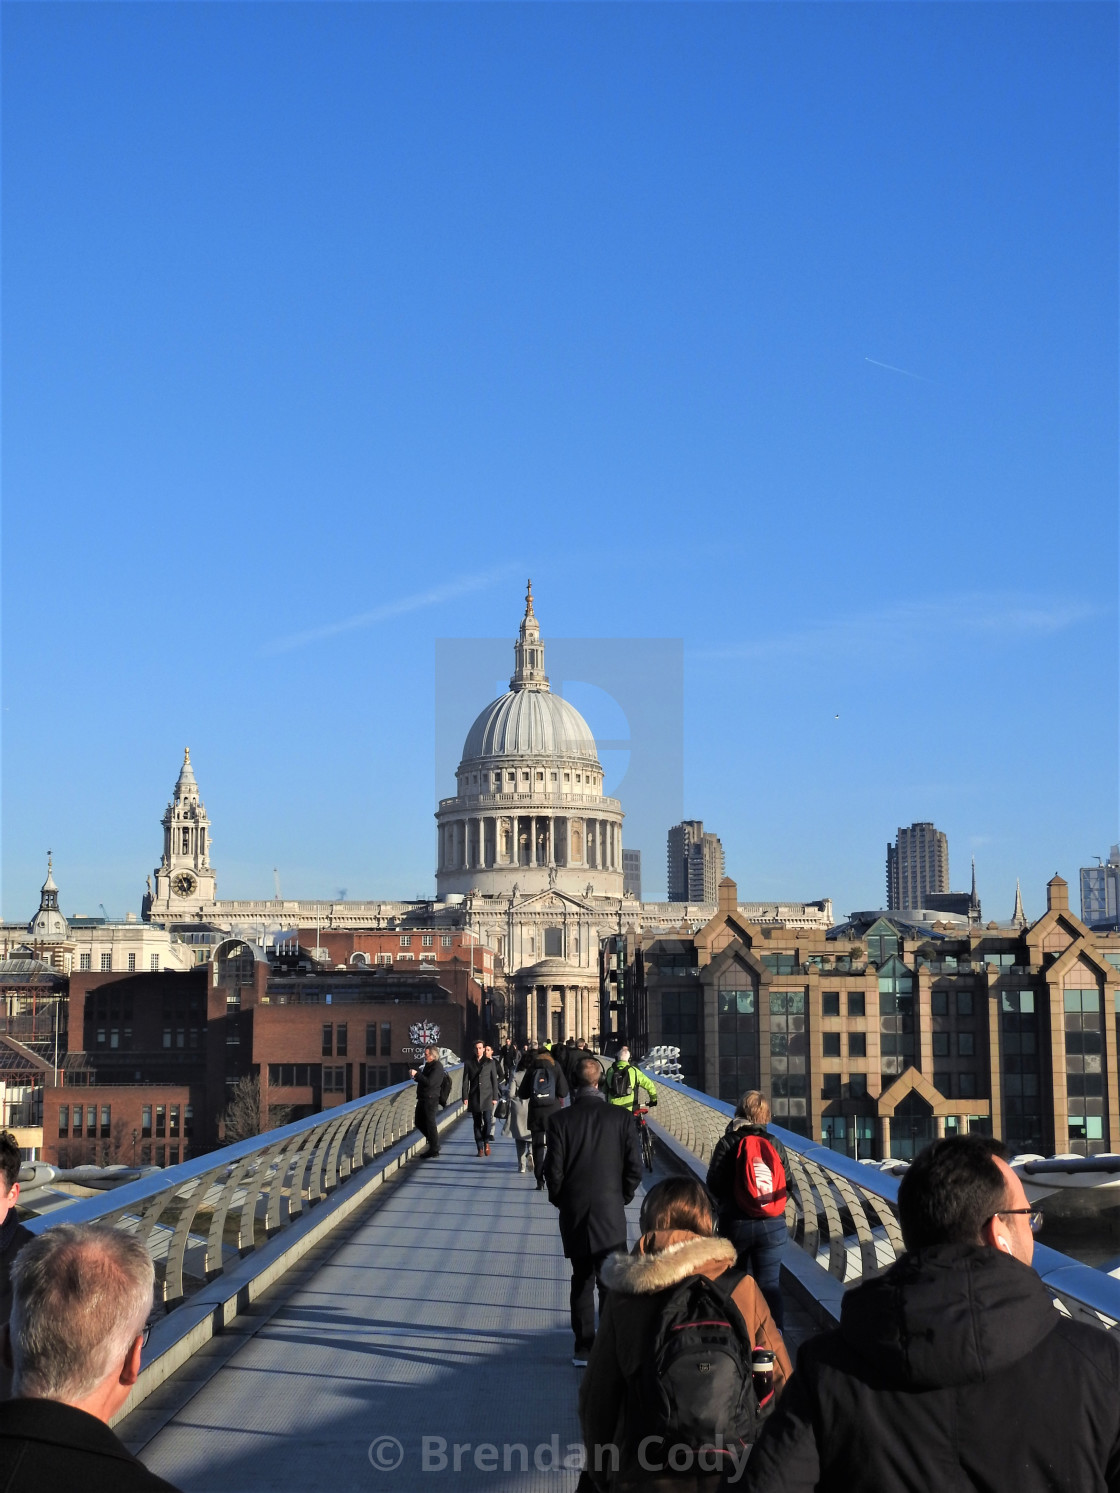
x,y
760,1178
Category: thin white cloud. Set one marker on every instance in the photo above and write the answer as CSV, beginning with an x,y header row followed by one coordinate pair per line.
x,y
925,625
464,586
904,371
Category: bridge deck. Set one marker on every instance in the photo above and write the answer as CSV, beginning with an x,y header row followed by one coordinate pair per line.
x,y
444,1314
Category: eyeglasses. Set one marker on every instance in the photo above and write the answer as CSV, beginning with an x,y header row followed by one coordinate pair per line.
x,y
1034,1216
145,1334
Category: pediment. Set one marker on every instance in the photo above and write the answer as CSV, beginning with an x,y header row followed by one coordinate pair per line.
x,y
914,1082
552,899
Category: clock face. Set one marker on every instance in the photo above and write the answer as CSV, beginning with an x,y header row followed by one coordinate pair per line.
x,y
183,885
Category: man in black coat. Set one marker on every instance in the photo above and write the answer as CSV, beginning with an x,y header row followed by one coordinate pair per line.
x,y
593,1169
953,1369
13,1236
480,1095
546,1088
81,1296
429,1082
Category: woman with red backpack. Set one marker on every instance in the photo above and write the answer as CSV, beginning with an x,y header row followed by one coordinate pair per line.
x,y
748,1177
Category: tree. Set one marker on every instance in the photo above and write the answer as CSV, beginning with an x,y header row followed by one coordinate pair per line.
x,y
243,1116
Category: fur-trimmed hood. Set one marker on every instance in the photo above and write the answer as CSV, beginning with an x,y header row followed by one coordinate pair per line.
x,y
663,1259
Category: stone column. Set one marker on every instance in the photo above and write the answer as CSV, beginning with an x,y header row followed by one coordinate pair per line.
x,y
885,1137
569,1016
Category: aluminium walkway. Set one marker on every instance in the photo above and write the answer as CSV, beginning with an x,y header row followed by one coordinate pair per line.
x,y
443,1314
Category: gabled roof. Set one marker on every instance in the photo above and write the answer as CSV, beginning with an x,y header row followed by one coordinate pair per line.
x,y
913,1082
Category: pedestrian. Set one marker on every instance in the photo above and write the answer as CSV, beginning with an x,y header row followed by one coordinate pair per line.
x,y
480,1094
13,1236
743,1177
546,1088
622,1080
567,1054
593,1170
951,1370
653,1293
81,1298
432,1087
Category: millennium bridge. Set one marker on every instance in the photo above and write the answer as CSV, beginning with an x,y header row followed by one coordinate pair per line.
x,y
333,1315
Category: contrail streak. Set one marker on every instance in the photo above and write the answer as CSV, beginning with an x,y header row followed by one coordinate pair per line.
x,y
389,609
904,371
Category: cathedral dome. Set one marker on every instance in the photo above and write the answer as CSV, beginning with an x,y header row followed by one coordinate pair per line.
x,y
530,723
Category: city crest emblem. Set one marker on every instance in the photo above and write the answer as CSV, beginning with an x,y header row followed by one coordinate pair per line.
x,y
424,1033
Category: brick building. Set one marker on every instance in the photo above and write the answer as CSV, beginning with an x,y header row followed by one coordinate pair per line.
x,y
881,1035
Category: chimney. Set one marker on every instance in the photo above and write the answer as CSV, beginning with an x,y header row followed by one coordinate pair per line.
x,y
728,896
1057,895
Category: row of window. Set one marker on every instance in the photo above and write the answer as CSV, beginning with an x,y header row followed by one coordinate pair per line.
x,y
493,780
85,962
85,1121
427,940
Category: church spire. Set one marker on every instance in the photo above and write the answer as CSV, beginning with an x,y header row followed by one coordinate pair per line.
x,y
528,651
1018,917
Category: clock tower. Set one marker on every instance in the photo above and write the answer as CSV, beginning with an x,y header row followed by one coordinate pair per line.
x,y
185,881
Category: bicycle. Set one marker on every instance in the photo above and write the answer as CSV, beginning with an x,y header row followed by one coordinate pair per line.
x,y
645,1134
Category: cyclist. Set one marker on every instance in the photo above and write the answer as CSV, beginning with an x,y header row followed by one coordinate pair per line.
x,y
622,1081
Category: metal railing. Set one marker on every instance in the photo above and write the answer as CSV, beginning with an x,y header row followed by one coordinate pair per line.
x,y
200,1218
843,1213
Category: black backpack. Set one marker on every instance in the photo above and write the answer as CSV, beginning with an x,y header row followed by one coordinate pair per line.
x,y
544,1081
698,1384
618,1083
445,1090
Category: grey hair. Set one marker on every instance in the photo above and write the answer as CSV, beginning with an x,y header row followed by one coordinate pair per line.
x,y
81,1294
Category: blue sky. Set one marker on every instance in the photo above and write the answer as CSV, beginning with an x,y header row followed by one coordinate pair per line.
x,y
787,331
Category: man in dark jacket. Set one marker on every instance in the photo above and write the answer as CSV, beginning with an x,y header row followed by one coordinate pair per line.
x,y
480,1095
593,1169
953,1369
429,1082
546,1088
13,1236
82,1294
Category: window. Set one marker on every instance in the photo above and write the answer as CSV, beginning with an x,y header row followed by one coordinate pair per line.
x,y
386,1038
84,961
328,1039
155,964
188,1123
939,1002
173,1155
173,1123
830,1044
64,1119
91,1120
106,962
145,1155
427,940
941,1044
964,1002
77,1121
965,1044
830,1086
966,1083
161,1156
445,940
857,1086
371,1039
132,964
406,940
161,1120
340,1040
106,1120
146,1122
857,1045
334,1080
114,1037
101,1036
830,1003
856,1003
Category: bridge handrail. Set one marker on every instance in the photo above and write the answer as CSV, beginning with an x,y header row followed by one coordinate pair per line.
x,y
844,1214
265,1183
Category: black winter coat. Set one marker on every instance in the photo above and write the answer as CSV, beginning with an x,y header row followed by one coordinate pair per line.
x,y
429,1080
593,1169
721,1168
13,1236
541,1110
46,1445
480,1083
953,1371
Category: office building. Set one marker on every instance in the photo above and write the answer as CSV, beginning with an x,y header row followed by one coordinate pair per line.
x,y
695,863
917,865
1100,892
632,874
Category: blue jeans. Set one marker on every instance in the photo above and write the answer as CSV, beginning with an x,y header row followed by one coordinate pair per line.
x,y
760,1243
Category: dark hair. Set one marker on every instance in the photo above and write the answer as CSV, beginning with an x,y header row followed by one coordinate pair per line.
x,y
10,1159
951,1190
677,1203
588,1072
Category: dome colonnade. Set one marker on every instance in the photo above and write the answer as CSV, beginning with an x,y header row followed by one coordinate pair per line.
x,y
529,812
